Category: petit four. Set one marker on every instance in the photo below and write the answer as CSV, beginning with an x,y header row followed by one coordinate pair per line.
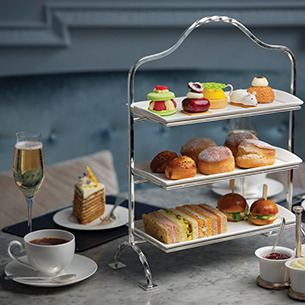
x,y
215,94
264,93
243,98
194,101
162,101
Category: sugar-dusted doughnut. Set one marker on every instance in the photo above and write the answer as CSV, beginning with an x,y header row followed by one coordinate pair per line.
x,y
216,160
234,139
254,153
157,165
180,168
195,146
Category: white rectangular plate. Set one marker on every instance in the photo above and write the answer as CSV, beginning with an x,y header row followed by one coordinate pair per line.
x,y
235,230
283,160
283,101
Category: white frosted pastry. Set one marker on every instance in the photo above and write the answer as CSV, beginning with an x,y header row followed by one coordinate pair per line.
x,y
259,81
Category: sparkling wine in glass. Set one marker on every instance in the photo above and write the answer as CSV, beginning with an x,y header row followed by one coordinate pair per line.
x,y
29,167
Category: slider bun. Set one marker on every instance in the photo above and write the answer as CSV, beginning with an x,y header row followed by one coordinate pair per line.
x,y
159,162
180,168
232,203
263,207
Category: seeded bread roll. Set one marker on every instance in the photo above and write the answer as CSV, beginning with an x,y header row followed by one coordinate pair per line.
x,y
159,162
181,168
254,153
234,139
195,146
216,160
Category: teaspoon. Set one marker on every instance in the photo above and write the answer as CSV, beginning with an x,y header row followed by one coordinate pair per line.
x,y
278,234
57,279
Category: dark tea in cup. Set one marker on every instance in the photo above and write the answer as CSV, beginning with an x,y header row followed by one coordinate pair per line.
x,y
48,241
48,251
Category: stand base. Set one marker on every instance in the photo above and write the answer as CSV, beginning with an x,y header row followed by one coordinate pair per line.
x,y
296,295
154,287
149,286
268,285
119,266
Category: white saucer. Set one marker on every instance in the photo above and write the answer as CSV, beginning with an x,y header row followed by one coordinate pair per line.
x,y
274,188
65,218
82,266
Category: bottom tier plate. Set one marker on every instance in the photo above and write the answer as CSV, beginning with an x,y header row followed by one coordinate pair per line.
x,y
235,230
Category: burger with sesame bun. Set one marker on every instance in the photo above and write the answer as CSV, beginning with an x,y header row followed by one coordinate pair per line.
x,y
162,101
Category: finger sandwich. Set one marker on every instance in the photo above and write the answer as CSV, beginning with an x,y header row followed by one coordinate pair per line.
x,y
184,223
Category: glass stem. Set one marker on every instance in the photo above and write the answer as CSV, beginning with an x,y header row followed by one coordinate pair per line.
x,y
30,201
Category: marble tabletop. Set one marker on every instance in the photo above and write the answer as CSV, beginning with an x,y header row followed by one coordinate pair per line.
x,y
221,273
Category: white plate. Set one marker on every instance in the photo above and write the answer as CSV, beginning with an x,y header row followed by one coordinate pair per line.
x,y
234,230
283,102
82,266
283,160
274,188
66,219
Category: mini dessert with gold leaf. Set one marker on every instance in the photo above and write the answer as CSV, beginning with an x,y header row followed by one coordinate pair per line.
x,y
215,94
194,101
162,101
89,198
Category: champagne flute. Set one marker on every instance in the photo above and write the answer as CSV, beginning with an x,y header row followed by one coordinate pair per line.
x,y
29,167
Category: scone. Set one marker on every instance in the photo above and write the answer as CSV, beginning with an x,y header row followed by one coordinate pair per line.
x,y
254,153
195,146
234,139
216,160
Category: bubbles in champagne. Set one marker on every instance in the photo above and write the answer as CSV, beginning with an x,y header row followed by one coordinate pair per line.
x,y
28,145
29,166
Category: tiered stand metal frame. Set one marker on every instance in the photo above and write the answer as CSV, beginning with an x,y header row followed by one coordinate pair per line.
x,y
132,242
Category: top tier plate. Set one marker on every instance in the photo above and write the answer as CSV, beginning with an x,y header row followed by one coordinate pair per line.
x,y
283,102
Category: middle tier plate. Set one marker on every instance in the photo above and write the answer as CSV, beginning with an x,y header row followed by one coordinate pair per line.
x,y
283,160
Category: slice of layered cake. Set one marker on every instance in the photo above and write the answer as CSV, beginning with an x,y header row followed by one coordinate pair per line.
x,y
89,198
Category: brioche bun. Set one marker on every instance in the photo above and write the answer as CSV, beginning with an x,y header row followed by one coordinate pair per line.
x,y
181,168
233,204
263,212
157,165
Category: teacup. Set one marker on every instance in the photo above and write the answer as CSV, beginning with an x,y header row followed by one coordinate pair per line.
x,y
297,276
251,183
273,271
46,257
